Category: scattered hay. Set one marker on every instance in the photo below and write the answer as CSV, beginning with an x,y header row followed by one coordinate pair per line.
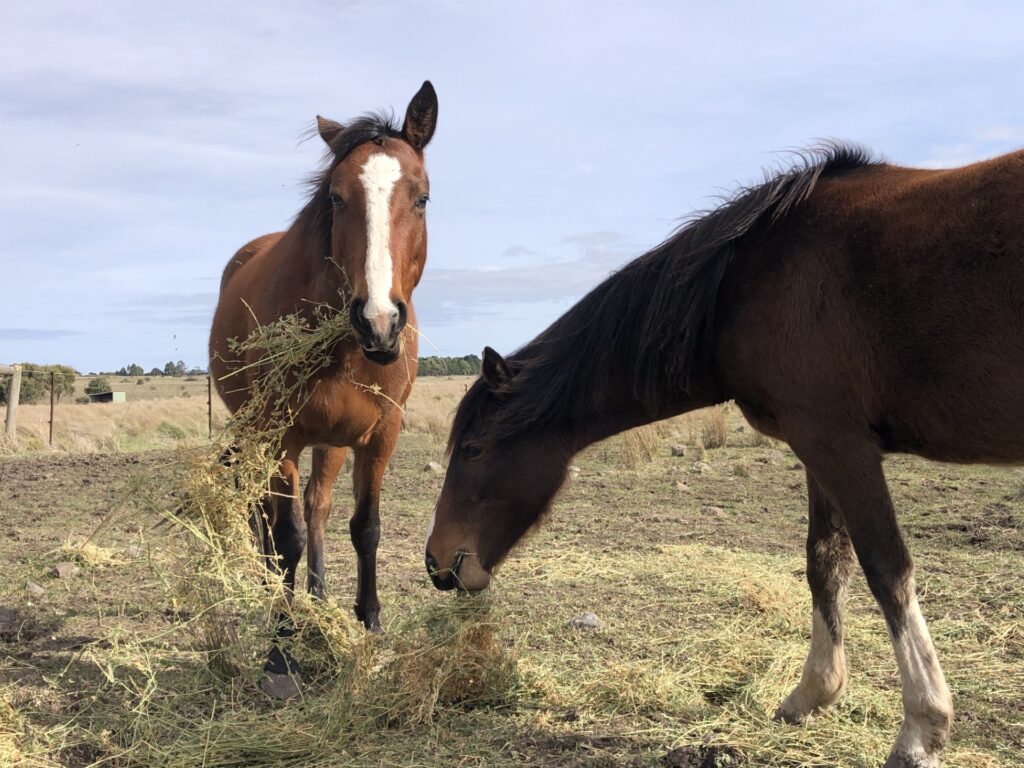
x,y
88,554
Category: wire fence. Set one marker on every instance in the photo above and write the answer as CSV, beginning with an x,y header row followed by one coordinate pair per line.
x,y
47,404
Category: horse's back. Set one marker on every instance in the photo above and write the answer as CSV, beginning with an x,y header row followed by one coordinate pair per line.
x,y
245,254
896,298
232,319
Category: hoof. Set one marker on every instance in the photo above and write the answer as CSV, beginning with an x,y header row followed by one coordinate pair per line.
x,y
899,758
370,620
785,714
280,686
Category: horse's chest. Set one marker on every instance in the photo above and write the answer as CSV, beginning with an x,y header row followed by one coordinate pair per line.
x,y
346,415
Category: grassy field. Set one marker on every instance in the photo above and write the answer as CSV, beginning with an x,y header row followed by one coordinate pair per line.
x,y
169,412
696,572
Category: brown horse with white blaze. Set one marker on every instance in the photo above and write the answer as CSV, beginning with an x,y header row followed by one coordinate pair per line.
x,y
361,240
848,306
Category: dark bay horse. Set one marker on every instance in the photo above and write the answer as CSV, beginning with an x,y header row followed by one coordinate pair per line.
x,y
851,308
361,239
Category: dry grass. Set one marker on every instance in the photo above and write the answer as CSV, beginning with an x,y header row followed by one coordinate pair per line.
x,y
712,429
117,427
703,638
639,446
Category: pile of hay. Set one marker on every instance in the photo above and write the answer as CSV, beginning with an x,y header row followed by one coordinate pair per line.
x,y
190,695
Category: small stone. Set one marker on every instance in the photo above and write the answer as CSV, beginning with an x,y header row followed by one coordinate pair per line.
x,y
703,467
34,589
133,551
587,622
776,457
678,449
713,511
802,520
65,570
797,465
574,472
741,428
433,466
681,486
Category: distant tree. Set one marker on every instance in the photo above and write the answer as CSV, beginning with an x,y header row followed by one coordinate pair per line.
x,y
169,368
156,372
63,381
98,386
122,371
35,383
467,365
180,369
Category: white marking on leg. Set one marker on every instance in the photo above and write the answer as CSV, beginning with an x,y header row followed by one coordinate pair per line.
x,y
379,174
824,677
927,703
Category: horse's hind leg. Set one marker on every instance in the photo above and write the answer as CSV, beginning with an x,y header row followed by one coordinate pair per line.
x,y
849,470
327,462
368,469
829,557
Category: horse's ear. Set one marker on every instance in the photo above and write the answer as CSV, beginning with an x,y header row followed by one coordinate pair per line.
x,y
421,117
329,130
494,370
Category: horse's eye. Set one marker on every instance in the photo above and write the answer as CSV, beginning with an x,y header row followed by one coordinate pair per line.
x,y
471,450
337,201
421,201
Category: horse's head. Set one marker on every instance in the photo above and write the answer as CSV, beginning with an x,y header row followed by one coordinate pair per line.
x,y
377,190
496,488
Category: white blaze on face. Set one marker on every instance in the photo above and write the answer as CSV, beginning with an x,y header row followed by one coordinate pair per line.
x,y
380,172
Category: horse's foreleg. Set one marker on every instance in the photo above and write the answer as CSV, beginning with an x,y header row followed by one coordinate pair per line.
x,y
850,472
288,538
327,462
829,557
289,528
367,474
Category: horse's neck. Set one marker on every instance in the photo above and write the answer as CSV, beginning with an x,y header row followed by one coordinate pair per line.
x,y
617,408
300,260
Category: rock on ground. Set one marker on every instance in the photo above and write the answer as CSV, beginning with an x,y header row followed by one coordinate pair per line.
x,y
587,622
65,570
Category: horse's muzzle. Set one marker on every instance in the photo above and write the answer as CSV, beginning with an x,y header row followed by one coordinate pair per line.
x,y
380,348
448,578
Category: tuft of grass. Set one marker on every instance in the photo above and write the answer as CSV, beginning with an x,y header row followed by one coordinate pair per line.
x,y
639,446
713,433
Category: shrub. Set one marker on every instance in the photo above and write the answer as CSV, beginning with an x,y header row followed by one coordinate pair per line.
x,y
35,383
98,385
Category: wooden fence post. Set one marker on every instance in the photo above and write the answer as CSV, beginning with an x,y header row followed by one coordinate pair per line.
x,y
13,393
52,377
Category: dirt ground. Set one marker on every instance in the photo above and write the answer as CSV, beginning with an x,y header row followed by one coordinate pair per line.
x,y
668,556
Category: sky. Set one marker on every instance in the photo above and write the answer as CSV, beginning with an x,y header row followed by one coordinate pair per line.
x,y
141,144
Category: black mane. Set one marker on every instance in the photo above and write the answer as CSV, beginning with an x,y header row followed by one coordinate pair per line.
x,y
315,217
665,297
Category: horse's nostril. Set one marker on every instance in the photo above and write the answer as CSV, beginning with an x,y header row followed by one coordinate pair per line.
x,y
431,563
